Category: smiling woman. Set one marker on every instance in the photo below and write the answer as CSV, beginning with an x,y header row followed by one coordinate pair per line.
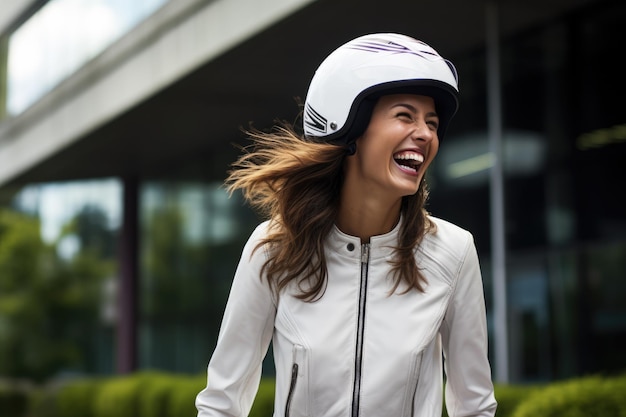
x,y
403,127
360,290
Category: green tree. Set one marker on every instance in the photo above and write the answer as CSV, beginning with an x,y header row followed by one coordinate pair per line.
x,y
47,303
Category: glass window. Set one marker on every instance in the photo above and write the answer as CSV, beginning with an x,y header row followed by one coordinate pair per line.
x,y
601,307
60,37
564,147
565,224
192,237
58,262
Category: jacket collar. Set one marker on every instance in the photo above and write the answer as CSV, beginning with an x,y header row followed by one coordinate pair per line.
x,y
381,246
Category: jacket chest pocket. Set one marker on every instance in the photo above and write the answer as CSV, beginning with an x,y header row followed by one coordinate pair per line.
x,y
296,404
413,379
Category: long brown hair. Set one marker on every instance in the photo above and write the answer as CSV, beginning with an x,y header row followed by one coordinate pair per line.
x,y
296,183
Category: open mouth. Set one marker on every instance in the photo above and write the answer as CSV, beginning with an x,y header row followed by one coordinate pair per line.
x,y
409,160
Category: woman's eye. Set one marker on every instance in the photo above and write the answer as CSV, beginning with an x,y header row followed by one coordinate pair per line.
x,y
433,124
405,115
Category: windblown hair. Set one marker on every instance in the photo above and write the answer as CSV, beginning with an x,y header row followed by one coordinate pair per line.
x,y
296,183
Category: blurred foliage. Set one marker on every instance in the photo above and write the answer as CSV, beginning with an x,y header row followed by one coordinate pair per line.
x,y
181,277
13,400
182,400
592,396
509,397
155,395
263,405
159,394
118,397
186,273
164,262
48,303
77,398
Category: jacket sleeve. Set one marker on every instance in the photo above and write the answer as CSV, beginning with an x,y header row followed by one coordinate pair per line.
x,y
234,371
469,388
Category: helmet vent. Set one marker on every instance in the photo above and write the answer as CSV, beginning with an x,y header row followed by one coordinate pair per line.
x,y
315,121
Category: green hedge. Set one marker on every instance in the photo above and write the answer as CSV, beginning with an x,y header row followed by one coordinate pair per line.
x,y
510,396
118,397
13,400
156,394
155,397
43,402
183,398
77,399
264,402
593,396
146,394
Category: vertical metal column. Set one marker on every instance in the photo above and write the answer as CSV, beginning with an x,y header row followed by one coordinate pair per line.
x,y
498,242
4,55
126,342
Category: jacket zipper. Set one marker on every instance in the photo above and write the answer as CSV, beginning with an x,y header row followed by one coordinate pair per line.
x,y
358,357
292,387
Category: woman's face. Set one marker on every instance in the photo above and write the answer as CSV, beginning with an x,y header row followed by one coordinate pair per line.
x,y
398,145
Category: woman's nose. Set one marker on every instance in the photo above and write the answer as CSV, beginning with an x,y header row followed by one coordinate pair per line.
x,y
422,131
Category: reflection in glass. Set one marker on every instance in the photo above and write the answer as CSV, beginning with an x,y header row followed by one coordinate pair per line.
x,y
61,37
58,269
192,236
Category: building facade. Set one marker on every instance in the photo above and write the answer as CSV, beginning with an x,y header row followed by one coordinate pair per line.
x,y
122,118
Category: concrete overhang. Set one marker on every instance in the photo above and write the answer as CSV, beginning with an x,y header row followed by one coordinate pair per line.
x,y
13,10
170,97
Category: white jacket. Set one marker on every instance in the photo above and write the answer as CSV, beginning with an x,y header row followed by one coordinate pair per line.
x,y
358,351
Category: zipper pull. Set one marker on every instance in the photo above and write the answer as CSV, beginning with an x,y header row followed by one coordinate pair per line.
x,y
365,253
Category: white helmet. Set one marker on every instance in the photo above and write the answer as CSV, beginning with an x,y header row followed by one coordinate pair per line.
x,y
344,89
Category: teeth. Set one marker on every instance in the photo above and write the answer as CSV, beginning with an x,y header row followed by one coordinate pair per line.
x,y
410,156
